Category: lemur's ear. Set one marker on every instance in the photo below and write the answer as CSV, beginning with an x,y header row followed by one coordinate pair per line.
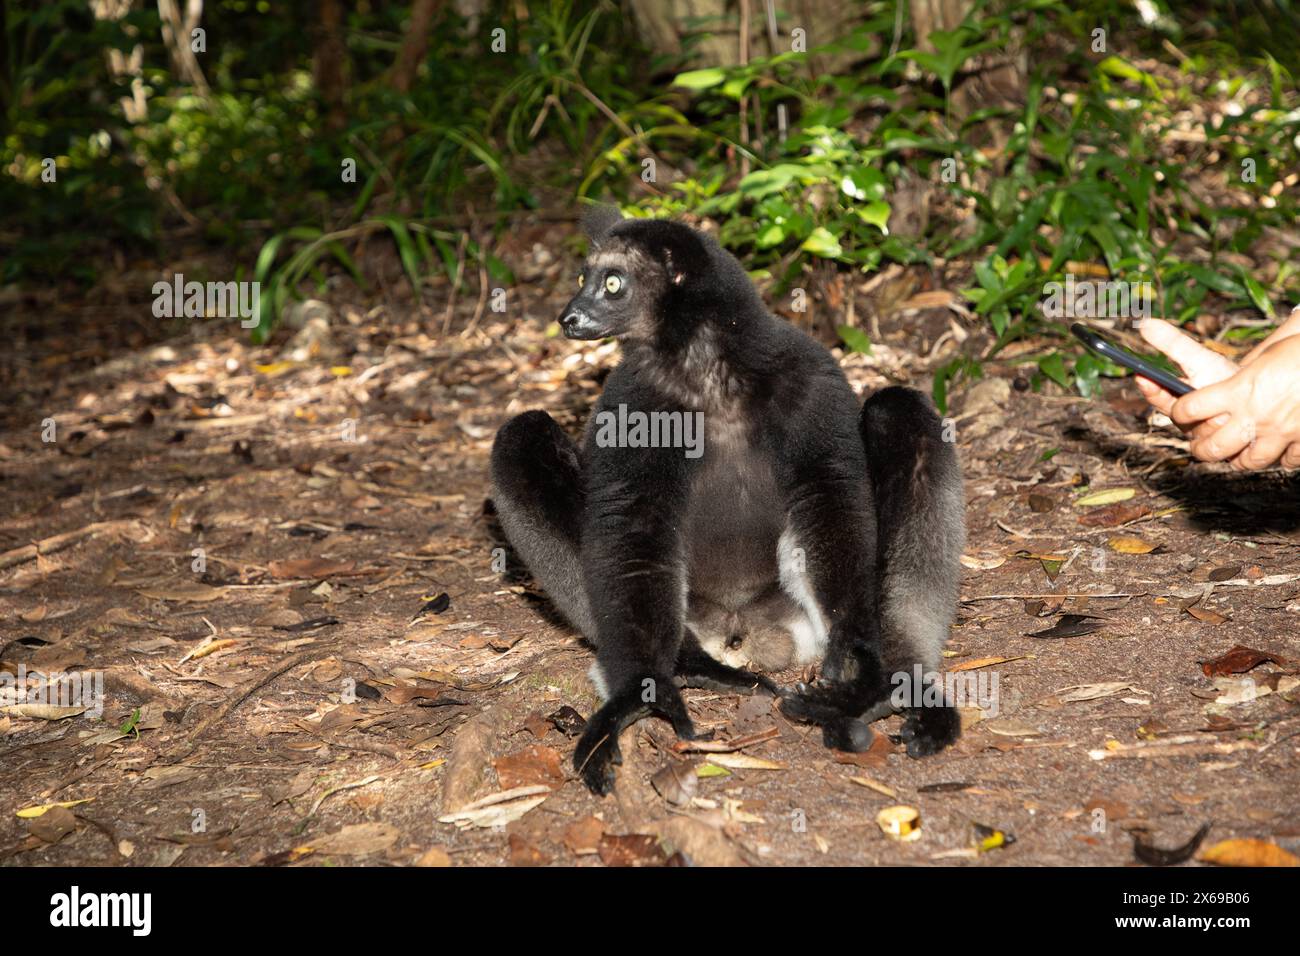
x,y
675,276
598,220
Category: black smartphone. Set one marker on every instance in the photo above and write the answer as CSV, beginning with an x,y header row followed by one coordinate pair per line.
x,y
1122,356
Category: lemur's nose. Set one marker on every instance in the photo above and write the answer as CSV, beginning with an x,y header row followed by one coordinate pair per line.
x,y
570,320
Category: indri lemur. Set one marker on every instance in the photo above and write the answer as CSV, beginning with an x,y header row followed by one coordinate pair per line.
x,y
842,527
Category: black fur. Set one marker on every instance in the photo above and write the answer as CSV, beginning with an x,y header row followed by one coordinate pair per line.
x,y
632,543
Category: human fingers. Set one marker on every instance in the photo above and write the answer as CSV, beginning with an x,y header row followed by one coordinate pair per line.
x,y
1260,454
1205,403
1161,399
1201,365
1226,442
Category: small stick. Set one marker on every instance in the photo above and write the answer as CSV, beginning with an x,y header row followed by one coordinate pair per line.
x,y
1030,597
58,542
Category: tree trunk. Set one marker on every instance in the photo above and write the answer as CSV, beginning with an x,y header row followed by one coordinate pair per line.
x,y
176,30
329,64
930,15
414,45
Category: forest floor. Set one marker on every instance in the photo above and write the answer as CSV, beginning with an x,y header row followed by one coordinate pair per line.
x,y
248,546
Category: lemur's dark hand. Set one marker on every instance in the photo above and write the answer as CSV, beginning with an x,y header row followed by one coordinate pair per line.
x,y
598,753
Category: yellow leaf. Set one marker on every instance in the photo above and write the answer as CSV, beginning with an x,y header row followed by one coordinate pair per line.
x,y
744,762
275,368
1248,853
1130,545
30,813
876,786
340,370
1107,497
978,662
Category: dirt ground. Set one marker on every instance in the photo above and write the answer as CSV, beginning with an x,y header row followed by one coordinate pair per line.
x,y
250,547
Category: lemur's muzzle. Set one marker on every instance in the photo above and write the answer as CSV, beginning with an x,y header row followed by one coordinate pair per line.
x,y
580,324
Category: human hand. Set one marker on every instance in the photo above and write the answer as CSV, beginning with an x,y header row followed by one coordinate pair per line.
x,y
1201,367
1251,418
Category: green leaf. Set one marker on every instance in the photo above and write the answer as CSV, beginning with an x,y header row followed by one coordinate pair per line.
x,y
875,214
864,184
1053,366
700,79
855,339
769,236
821,243
1258,295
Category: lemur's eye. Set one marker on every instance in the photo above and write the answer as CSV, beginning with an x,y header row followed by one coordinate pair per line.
x,y
613,284
581,279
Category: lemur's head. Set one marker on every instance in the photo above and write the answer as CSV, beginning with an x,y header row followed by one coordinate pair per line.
x,y
635,271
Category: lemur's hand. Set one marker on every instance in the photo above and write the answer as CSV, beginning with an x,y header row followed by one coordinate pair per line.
x,y
598,753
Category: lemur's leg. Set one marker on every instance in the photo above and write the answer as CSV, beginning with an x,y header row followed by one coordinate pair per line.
x,y
831,527
920,526
537,490
537,479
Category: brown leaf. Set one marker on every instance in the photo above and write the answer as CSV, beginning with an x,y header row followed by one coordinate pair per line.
x,y
874,756
534,765
435,856
1239,660
405,693
583,838
308,568
192,592
53,825
634,849
523,853
1041,504
1205,615
537,724
1114,515
358,839
676,781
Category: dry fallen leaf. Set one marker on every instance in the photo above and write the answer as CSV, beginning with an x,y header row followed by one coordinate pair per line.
x,y
1112,516
41,711
534,765
634,849
53,825
29,813
676,781
313,568
744,762
188,592
1248,853
1239,660
434,857
357,839
1205,615
1081,692
1007,727
1126,544
1108,496
583,837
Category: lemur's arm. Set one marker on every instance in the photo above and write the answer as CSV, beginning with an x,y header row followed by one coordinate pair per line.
x,y
634,565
